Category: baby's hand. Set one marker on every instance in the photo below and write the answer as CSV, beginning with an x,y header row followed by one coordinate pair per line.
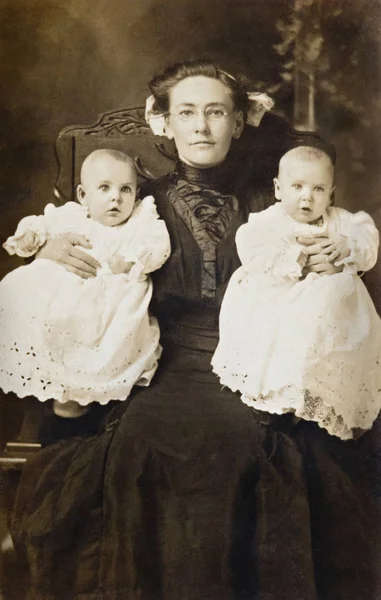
x,y
303,257
119,265
319,260
337,249
28,242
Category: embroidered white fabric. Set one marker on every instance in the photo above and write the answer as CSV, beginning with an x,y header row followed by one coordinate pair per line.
x,y
309,345
87,340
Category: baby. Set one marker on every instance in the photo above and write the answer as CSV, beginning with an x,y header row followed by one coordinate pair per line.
x,y
305,344
77,340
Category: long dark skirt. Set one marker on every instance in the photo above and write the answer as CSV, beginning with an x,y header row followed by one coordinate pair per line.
x,y
191,495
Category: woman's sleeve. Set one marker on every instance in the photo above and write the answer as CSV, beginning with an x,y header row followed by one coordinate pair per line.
x,y
363,240
263,250
32,224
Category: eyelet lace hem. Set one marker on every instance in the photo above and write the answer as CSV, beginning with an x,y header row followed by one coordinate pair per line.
x,y
307,407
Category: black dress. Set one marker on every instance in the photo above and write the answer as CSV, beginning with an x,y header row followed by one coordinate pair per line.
x,y
187,494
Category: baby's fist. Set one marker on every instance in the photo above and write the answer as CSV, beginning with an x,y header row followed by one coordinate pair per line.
x,y
28,242
303,257
119,265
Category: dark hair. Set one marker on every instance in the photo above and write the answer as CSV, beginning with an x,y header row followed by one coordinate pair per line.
x,y
161,84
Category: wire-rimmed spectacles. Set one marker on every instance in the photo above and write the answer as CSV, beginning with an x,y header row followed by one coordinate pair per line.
x,y
212,113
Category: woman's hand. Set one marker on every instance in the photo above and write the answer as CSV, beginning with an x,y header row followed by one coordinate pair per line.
x,y
322,253
64,251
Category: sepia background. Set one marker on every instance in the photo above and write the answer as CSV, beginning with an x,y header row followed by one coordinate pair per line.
x,y
62,62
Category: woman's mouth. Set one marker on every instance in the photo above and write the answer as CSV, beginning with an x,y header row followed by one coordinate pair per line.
x,y
203,143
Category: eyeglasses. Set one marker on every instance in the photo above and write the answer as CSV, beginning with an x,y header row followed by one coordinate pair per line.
x,y
212,113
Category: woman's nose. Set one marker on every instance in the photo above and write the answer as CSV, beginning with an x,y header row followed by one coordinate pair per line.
x,y
201,122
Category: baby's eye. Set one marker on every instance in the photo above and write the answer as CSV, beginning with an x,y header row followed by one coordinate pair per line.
x,y
126,189
319,188
104,187
297,186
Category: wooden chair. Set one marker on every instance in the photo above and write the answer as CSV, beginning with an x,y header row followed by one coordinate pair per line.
x,y
124,130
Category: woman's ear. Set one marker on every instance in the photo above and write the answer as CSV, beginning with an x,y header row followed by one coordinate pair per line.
x,y
239,125
277,188
81,195
332,196
167,128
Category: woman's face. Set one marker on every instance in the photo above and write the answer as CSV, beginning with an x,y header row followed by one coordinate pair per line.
x,y
203,139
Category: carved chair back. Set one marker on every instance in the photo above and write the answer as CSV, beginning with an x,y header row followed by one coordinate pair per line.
x,y
124,130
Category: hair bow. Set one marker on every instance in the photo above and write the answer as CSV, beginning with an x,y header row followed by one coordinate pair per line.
x,y
155,120
259,103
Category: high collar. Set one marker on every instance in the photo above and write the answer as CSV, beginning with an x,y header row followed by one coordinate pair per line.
x,y
219,178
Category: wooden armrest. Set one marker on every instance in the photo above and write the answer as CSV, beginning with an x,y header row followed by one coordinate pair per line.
x,y
16,454
21,419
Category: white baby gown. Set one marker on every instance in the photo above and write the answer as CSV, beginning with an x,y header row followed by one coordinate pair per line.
x,y
310,346
87,340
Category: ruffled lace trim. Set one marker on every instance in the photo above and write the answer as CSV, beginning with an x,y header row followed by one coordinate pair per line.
x,y
303,406
208,215
43,382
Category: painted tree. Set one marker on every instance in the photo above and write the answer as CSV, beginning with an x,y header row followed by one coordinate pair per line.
x,y
303,47
331,65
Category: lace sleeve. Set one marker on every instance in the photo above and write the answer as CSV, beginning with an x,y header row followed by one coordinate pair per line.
x,y
264,250
32,224
363,240
150,247
56,220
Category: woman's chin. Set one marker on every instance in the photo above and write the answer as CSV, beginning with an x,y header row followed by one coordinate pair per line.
x,y
204,159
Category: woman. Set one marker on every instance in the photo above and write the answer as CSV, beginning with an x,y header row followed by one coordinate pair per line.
x,y
187,493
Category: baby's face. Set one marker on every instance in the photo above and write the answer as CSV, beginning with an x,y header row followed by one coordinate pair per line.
x,y
305,187
108,189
